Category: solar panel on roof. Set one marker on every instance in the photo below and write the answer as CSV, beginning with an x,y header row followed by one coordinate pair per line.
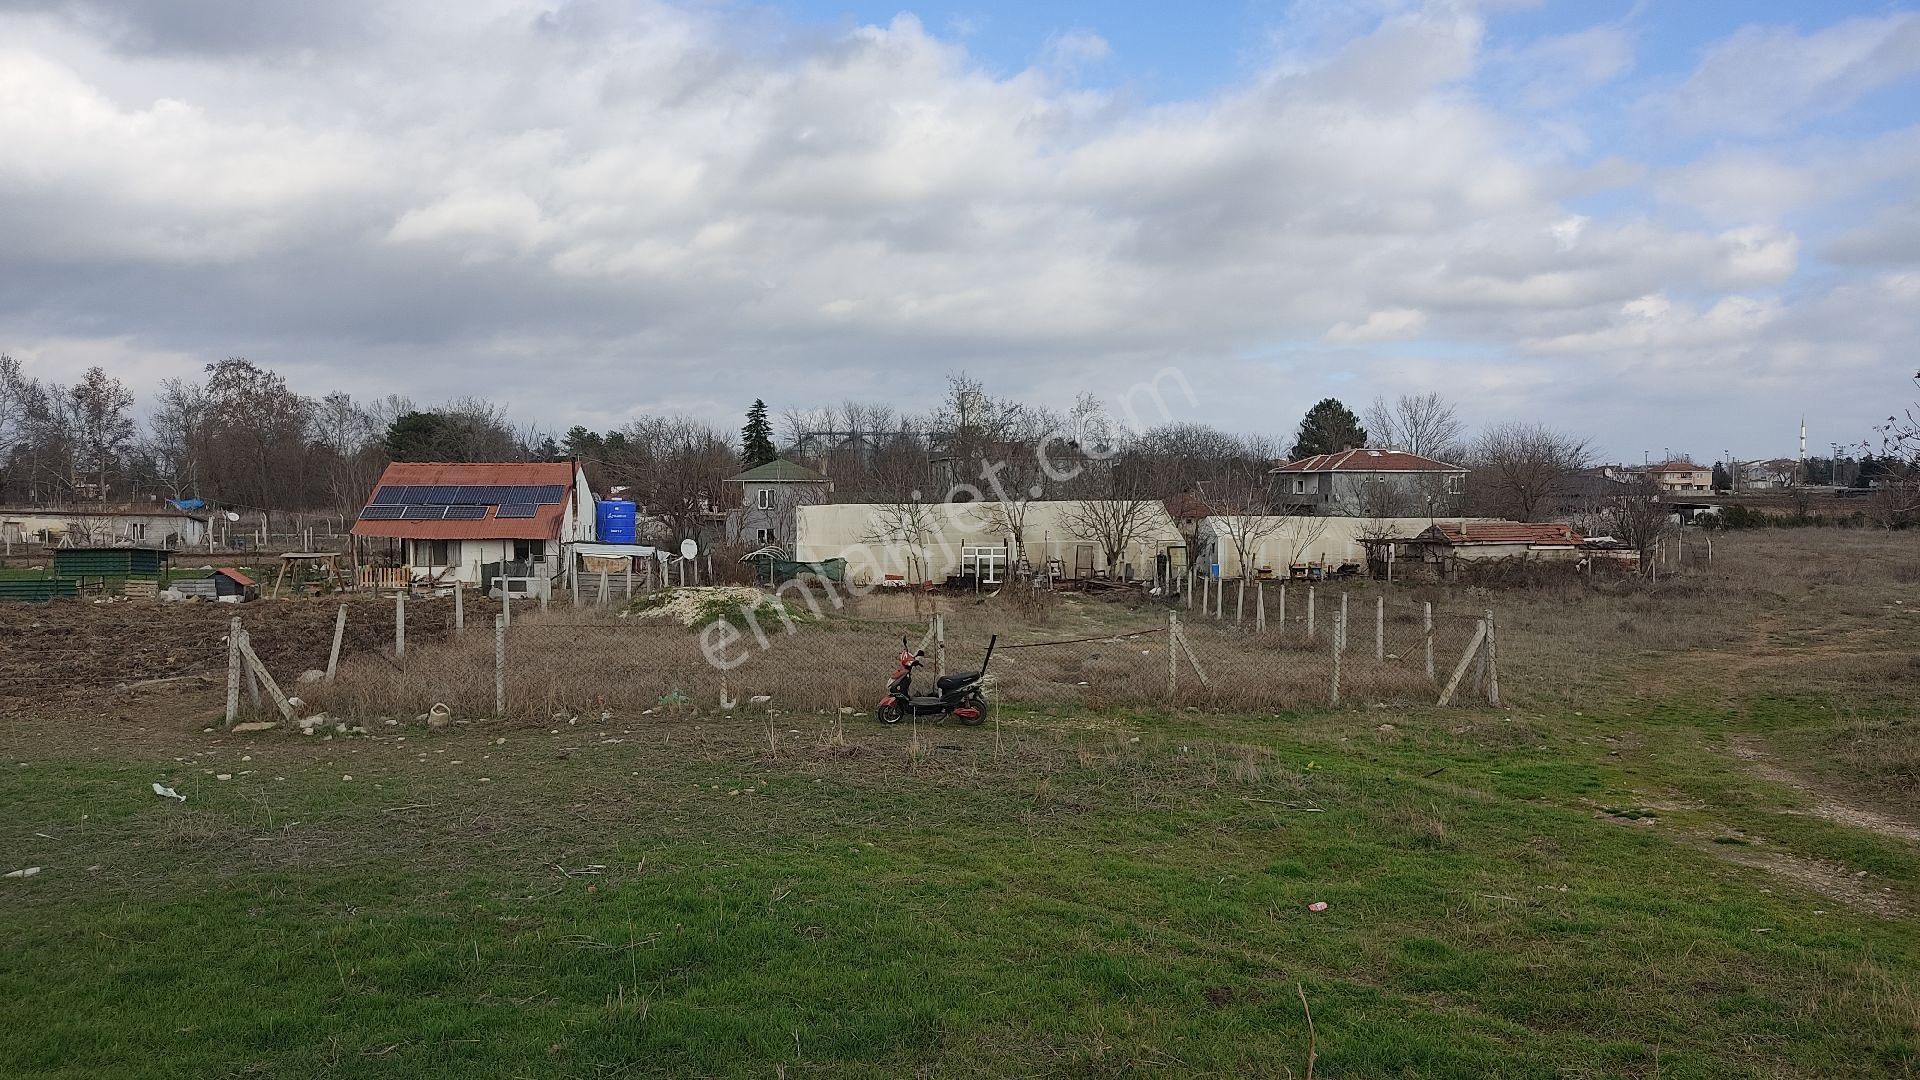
x,y
381,512
516,510
425,512
466,513
385,495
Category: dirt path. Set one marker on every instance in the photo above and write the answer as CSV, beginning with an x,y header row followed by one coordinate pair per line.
x,y
1824,804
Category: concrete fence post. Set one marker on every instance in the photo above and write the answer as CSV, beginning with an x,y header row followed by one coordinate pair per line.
x,y
1173,657
1493,662
499,665
339,635
459,609
1260,607
1311,634
1283,607
233,671
1240,601
1339,632
1427,620
506,604
1219,598
400,625
1379,628
1340,635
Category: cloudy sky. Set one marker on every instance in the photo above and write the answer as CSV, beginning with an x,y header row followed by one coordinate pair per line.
x,y
1660,224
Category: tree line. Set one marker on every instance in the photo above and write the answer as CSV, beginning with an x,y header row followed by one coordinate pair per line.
x,y
240,437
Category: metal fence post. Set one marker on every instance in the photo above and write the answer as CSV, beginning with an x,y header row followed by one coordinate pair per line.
x,y
499,665
1428,620
399,625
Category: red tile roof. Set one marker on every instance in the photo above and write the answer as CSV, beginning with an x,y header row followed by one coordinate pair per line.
x,y
543,525
235,576
1504,532
1367,461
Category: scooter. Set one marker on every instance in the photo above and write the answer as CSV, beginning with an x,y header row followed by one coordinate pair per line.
x,y
957,694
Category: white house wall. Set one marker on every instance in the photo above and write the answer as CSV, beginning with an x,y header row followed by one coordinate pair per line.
x,y
1305,539
853,531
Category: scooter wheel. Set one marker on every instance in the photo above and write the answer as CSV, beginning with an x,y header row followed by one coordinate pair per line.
x,y
887,714
979,716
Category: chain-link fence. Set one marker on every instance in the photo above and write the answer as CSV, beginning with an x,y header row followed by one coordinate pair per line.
x,y
1279,648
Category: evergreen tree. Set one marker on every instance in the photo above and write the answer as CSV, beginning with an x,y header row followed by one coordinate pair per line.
x,y
1328,428
756,439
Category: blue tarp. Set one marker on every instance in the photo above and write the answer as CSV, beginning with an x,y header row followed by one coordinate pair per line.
x,y
189,504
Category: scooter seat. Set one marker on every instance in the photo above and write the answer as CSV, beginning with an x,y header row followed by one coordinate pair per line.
x,y
956,680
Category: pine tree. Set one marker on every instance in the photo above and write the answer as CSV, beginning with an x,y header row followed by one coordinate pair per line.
x,y
756,439
1328,428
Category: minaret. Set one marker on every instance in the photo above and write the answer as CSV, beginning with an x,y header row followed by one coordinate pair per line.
x,y
1800,470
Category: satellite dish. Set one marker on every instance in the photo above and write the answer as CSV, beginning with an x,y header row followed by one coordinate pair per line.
x,y
231,516
688,549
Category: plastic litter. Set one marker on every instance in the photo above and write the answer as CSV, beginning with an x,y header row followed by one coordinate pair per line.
x,y
24,872
1317,905
167,792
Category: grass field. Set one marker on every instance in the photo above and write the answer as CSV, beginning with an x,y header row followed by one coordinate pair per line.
x,y
1686,850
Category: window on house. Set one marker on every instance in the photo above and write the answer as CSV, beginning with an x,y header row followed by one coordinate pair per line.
x,y
987,562
1299,485
137,531
524,550
764,536
764,498
431,553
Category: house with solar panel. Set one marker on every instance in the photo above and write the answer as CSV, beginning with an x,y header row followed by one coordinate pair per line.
x,y
447,520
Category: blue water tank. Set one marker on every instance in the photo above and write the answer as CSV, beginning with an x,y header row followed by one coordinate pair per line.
x,y
614,521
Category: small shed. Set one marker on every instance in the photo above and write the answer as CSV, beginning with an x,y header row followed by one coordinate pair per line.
x,y
1443,546
109,562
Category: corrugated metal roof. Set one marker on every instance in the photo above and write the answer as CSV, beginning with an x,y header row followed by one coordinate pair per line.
x,y
543,525
1366,461
235,576
1504,532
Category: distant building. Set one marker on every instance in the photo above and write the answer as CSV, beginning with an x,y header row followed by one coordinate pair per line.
x,y
1682,477
1768,475
160,525
453,518
1371,483
769,494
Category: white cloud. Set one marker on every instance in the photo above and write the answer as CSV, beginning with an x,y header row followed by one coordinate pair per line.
x,y
1767,78
1379,326
676,202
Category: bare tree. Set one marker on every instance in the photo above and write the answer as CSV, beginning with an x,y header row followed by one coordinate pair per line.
x,y
348,435
177,434
1423,424
1517,467
1897,500
1638,519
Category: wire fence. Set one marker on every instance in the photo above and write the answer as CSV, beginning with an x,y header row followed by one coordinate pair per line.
x,y
1276,649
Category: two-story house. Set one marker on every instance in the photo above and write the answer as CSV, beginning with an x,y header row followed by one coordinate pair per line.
x,y
1682,476
768,495
1370,483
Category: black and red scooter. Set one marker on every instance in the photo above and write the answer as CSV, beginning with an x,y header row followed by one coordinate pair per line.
x,y
958,694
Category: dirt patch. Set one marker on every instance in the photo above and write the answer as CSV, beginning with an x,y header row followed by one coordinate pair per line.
x,y
79,648
1826,878
1823,804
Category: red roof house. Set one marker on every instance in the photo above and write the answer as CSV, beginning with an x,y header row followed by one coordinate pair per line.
x,y
1371,483
452,517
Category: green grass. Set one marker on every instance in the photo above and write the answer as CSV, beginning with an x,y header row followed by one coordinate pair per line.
x,y
1075,903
